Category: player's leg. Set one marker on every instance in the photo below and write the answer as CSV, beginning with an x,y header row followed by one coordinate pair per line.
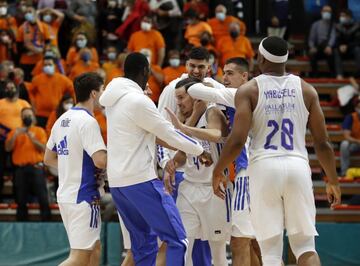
x,y
240,251
77,258
95,254
129,259
143,240
218,252
271,250
303,248
190,251
255,253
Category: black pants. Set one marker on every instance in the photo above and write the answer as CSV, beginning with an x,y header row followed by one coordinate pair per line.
x,y
30,179
353,54
314,58
27,71
4,165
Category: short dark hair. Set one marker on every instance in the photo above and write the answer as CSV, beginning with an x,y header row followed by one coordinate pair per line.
x,y
199,53
187,83
85,84
347,12
238,61
49,57
135,63
275,45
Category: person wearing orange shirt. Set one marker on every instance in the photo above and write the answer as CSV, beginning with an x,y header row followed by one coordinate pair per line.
x,y
47,90
53,19
65,104
10,118
8,32
32,35
118,71
27,144
148,38
85,64
195,28
235,45
221,22
175,69
156,79
200,6
73,56
215,70
111,62
50,51
100,117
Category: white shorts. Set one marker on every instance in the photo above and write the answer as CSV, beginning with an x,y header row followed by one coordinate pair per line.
x,y
125,234
82,224
281,197
241,222
205,216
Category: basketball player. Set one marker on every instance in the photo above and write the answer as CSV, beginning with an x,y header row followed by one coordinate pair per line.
x,y
243,243
133,125
274,109
197,66
76,147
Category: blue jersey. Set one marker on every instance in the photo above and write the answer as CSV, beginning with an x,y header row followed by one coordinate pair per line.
x,y
241,161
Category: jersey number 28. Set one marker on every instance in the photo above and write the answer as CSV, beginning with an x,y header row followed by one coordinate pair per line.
x,y
287,131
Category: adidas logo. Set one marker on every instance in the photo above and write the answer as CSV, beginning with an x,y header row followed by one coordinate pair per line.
x,y
62,147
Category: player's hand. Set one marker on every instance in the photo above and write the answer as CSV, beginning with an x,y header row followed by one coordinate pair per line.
x,y
206,159
199,107
219,184
333,193
169,176
175,120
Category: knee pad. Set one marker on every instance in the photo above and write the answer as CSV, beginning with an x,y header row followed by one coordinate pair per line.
x,y
271,250
300,244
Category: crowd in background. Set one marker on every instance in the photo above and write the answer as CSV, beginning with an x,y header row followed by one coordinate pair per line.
x,y
46,44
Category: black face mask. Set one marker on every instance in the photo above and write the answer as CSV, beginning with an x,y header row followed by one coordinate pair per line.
x,y
10,93
204,41
27,120
234,34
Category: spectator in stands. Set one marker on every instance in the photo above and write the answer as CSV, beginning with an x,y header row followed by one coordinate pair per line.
x,y
348,41
351,144
279,11
82,11
215,70
8,32
148,38
20,12
64,105
73,56
53,19
10,118
50,51
17,76
32,37
85,64
195,27
221,22
322,41
207,40
118,71
167,18
27,144
175,68
110,63
200,7
47,89
156,79
235,45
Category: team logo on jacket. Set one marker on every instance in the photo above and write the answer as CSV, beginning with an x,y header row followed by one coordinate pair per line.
x,y
62,147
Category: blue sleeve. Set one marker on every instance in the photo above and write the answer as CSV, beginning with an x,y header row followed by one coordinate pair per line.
x,y
347,124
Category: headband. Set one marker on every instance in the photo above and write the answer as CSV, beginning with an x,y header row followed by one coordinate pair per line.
x,y
272,58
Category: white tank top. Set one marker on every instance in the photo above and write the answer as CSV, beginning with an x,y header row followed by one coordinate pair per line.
x,y
279,119
194,171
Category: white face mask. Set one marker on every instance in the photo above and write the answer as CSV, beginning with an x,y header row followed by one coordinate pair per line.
x,y
211,60
47,18
49,70
81,43
221,16
3,11
67,106
146,26
174,62
112,4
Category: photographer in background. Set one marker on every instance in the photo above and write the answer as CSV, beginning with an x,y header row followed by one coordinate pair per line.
x,y
27,144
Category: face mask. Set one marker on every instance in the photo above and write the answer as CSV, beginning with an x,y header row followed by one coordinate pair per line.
x,y
344,20
10,93
220,16
30,17
22,8
47,18
145,26
204,41
211,61
234,34
49,54
5,39
27,120
67,106
326,15
81,43
3,11
86,57
49,70
174,62
112,4
112,56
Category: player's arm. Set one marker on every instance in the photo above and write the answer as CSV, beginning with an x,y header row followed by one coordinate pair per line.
x,y
347,136
323,149
215,130
99,158
236,139
223,96
170,169
50,158
164,144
